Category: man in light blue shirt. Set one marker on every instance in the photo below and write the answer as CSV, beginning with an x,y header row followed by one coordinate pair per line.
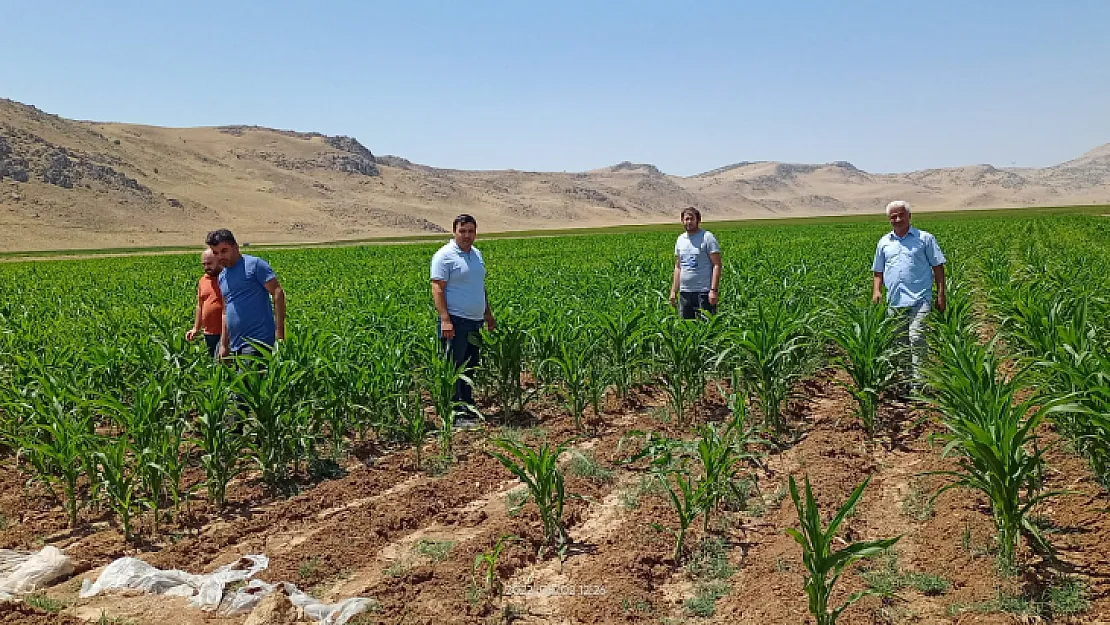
x,y
908,262
697,267
459,293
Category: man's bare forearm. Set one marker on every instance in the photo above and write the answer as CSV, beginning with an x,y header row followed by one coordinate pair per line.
x,y
439,298
279,312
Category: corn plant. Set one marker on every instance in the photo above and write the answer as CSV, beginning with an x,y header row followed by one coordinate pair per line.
x,y
682,351
538,469
662,453
622,338
219,441
57,447
413,425
687,497
485,565
996,460
721,454
993,436
148,423
571,362
441,376
823,565
1084,372
116,472
276,433
773,352
867,337
598,376
504,353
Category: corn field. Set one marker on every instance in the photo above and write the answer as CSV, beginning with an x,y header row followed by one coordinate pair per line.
x,y
107,406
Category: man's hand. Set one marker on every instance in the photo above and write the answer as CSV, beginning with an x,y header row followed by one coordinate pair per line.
x,y
279,334
191,334
714,297
876,298
942,302
223,352
674,299
447,329
491,323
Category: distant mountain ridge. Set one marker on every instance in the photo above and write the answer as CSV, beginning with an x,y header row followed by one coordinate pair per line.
x,y
73,184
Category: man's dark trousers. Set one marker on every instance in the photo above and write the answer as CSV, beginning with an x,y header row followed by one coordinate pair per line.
x,y
690,302
462,351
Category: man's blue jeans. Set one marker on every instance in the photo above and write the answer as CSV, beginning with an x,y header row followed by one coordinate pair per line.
x,y
462,351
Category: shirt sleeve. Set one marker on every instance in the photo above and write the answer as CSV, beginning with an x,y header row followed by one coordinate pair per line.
x,y
933,253
262,272
879,264
711,245
440,269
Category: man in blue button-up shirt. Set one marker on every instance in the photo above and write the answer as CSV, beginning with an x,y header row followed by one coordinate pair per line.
x,y
909,261
459,292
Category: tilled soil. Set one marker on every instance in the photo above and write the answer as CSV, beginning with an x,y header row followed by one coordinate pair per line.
x,y
373,531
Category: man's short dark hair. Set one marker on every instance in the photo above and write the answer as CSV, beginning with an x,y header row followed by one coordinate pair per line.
x,y
692,211
223,235
463,219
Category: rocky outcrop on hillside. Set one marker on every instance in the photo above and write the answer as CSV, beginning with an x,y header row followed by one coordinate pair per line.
x,y
647,168
24,155
350,157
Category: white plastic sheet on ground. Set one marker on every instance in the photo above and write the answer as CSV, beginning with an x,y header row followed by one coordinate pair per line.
x,y
249,596
207,591
24,572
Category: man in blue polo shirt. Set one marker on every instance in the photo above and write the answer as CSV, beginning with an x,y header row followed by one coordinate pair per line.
x,y
459,293
247,284
908,262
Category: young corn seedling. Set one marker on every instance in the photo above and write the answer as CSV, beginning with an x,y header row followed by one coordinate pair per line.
x,y
571,362
485,565
823,565
413,426
275,427
688,498
216,436
146,422
538,469
441,376
504,352
682,350
117,476
622,340
994,437
773,353
1002,460
869,351
720,455
57,449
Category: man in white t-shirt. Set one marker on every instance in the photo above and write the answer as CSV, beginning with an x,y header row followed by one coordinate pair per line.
x,y
697,268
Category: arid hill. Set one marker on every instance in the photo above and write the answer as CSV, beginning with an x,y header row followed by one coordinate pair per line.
x,y
75,184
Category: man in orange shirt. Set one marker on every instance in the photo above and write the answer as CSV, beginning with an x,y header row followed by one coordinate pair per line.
x,y
210,304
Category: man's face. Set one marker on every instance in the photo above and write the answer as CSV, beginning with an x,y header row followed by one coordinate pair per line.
x,y
900,219
691,222
226,254
465,235
210,263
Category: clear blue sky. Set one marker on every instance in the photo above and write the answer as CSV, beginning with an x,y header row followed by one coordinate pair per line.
x,y
688,86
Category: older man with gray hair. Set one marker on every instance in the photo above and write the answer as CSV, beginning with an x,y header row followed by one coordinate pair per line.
x,y
908,262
